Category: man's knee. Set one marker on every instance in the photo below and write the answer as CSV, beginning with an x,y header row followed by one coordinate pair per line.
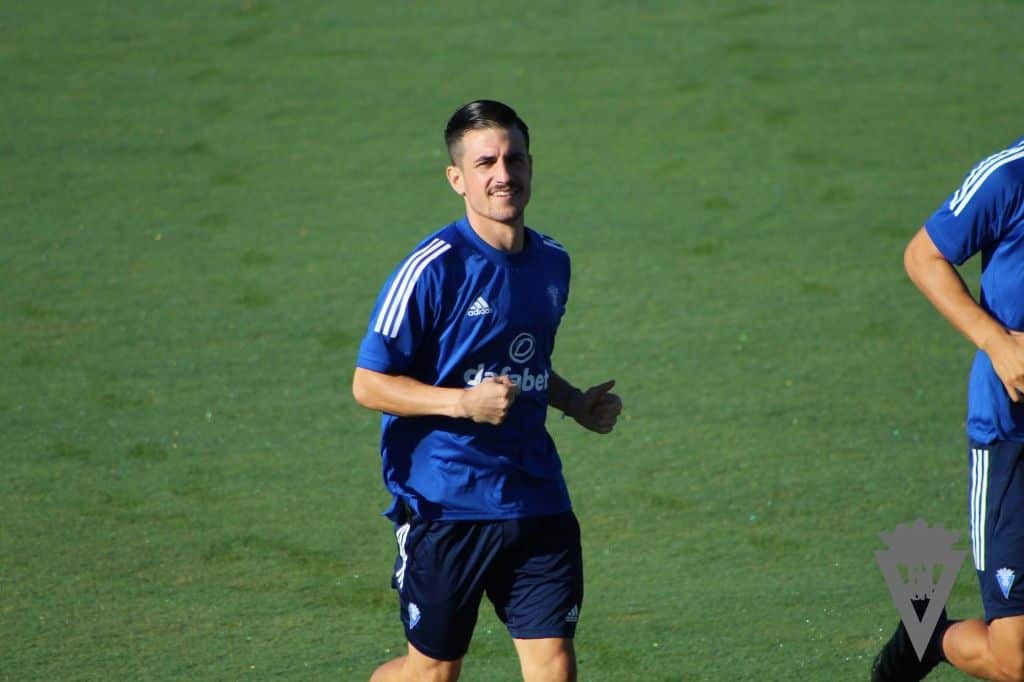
x,y
547,660
420,667
562,666
557,668
417,667
389,672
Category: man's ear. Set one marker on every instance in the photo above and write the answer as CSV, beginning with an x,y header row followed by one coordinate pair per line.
x,y
455,180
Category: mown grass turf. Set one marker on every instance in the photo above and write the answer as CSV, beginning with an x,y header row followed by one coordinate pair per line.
x,y
199,201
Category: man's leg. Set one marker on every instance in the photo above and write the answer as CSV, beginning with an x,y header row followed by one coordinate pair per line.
x,y
551,659
539,592
417,667
993,652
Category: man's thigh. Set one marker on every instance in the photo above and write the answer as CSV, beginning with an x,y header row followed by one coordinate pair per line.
x,y
538,590
440,575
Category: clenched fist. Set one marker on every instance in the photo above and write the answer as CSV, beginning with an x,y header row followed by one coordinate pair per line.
x,y
489,401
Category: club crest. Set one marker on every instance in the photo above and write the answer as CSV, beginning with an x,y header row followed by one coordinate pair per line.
x,y
554,295
414,615
1005,576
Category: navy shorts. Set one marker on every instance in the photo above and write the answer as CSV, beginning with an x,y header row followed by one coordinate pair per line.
x,y
996,507
531,570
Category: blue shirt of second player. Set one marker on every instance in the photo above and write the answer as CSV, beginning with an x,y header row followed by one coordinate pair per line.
x,y
986,214
453,313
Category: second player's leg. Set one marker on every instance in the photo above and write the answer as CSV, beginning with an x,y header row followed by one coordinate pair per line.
x,y
992,652
996,496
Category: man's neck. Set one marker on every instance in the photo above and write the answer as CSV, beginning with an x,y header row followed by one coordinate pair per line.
x,y
507,237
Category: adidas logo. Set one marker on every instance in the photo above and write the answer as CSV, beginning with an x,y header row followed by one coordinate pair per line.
x,y
573,615
478,307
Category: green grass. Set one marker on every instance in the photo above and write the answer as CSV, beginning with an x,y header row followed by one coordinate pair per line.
x,y
198,203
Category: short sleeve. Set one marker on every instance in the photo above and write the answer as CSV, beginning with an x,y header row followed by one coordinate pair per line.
x,y
402,316
977,215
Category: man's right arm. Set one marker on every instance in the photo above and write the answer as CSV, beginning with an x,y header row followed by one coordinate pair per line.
x,y
940,282
403,396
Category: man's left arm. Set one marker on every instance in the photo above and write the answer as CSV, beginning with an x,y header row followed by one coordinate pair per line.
x,y
596,408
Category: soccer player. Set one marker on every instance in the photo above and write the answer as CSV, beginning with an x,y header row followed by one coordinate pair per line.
x,y
986,214
458,358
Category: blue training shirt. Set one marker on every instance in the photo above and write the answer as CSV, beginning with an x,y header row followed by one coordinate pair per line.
x,y
986,214
453,313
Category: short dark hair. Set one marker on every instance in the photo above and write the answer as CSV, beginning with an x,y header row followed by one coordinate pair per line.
x,y
482,113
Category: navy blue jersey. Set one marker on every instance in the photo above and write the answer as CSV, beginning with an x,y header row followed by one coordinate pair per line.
x,y
986,215
453,313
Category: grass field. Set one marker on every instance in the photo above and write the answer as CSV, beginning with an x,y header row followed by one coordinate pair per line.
x,y
199,201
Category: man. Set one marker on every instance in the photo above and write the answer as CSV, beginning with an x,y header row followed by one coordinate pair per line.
x,y
458,358
986,214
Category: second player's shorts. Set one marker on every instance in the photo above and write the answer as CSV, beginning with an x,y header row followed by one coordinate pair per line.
x,y
996,507
531,570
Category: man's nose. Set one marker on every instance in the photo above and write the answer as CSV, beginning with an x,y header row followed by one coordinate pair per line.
x,y
501,173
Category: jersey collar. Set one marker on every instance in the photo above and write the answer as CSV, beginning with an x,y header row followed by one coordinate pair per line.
x,y
492,254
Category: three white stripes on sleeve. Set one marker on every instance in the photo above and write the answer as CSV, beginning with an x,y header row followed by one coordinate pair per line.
x,y
977,177
391,314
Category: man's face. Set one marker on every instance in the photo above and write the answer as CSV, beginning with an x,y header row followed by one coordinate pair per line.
x,y
492,171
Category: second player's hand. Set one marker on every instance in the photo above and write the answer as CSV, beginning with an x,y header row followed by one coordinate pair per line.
x,y
489,401
1007,355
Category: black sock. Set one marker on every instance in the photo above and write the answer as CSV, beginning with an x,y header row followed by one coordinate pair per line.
x,y
935,651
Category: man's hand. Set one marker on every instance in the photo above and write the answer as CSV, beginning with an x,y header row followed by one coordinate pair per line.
x,y
596,409
1006,351
489,401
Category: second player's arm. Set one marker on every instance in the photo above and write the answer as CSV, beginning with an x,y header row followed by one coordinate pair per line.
x,y
942,284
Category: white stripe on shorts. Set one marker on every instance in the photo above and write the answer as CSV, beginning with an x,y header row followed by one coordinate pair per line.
x,y
978,504
401,534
